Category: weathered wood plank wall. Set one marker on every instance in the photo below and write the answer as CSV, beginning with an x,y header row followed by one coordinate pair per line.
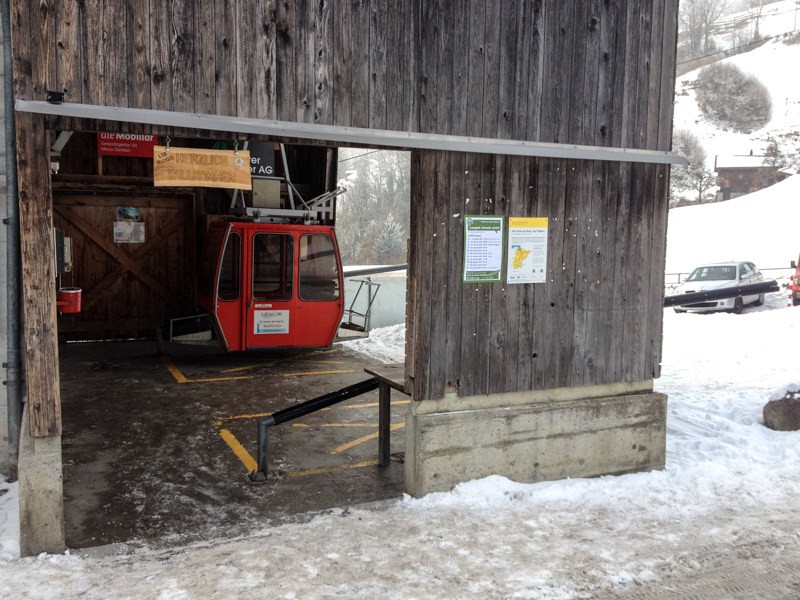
x,y
596,72
585,72
595,321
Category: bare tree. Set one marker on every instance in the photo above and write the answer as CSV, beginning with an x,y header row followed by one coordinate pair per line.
x,y
757,8
697,19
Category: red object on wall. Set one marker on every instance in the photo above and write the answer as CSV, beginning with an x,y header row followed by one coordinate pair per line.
x,y
69,300
125,144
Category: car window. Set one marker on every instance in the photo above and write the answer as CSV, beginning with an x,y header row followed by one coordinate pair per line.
x,y
746,269
713,273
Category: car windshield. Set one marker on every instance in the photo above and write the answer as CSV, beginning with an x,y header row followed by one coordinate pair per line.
x,y
713,273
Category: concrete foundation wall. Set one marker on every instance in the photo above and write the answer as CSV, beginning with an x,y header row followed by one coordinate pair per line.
x,y
41,496
545,439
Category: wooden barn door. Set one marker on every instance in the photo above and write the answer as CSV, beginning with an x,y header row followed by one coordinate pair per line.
x,y
131,277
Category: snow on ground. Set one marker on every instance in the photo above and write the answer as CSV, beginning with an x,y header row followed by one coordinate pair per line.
x,y
728,481
727,494
9,521
388,344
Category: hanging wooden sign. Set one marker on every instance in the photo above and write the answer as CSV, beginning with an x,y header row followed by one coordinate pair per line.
x,y
199,167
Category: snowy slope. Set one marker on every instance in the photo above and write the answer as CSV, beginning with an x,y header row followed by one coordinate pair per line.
x,y
763,227
773,64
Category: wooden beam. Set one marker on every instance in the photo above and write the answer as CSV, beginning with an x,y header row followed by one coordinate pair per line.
x,y
40,335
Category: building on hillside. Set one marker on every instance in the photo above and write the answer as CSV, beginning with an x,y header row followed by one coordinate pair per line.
x,y
738,175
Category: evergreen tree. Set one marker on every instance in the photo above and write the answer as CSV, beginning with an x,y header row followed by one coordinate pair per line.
x,y
694,179
373,216
773,155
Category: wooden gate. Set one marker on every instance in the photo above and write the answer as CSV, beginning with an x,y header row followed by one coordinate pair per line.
x,y
133,258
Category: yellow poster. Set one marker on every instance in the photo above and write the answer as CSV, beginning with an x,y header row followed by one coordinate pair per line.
x,y
198,167
527,250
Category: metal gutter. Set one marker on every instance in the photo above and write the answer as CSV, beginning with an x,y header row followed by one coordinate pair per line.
x,y
381,138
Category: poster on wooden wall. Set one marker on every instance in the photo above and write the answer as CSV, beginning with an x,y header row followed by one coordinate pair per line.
x,y
199,167
483,248
527,250
128,228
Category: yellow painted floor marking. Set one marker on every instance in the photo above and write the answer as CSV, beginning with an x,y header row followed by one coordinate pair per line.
x,y
237,369
303,373
270,363
304,425
359,465
243,455
365,438
215,379
328,362
179,377
251,465
220,420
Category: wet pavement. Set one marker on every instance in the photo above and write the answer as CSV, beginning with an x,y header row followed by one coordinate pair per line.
x,y
157,448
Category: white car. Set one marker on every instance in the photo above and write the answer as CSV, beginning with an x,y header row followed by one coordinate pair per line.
x,y
719,276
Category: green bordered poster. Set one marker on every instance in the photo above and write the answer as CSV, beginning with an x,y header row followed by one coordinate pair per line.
x,y
527,250
483,248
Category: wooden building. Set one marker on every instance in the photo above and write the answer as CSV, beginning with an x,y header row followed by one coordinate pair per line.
x,y
542,109
738,175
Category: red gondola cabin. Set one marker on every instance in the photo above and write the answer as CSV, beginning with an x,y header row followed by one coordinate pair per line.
x,y
269,285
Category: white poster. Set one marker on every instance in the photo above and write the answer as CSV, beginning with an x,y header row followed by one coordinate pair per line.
x,y
270,321
527,250
128,232
483,248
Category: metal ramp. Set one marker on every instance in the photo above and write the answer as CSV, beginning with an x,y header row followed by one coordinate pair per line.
x,y
356,319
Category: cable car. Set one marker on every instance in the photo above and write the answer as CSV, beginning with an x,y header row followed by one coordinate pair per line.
x,y
271,277
267,285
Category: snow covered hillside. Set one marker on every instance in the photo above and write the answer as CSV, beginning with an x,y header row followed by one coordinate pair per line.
x,y
761,227
773,64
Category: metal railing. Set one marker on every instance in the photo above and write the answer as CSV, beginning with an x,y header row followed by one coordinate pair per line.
x,y
301,410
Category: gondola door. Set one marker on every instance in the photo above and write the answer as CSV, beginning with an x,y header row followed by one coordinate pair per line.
x,y
270,289
295,287
219,285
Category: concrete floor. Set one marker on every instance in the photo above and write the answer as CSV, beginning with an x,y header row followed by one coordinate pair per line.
x,y
156,447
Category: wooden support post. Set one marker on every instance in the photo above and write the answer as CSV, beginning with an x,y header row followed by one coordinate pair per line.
x,y
40,329
384,417
388,377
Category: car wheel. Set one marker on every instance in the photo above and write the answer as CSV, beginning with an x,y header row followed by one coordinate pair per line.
x,y
738,305
760,300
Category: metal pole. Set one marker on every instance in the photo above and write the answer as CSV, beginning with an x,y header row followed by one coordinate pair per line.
x,y
13,315
309,406
262,430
